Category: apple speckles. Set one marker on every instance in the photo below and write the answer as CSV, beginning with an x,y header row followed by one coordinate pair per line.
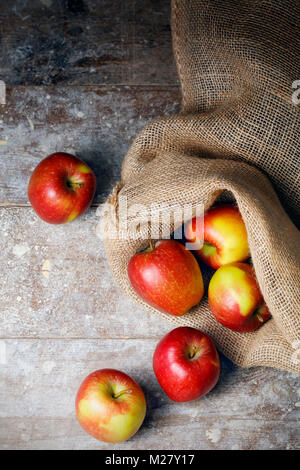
x,y
20,250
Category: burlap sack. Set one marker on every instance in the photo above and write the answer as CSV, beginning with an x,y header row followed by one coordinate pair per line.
x,y
237,61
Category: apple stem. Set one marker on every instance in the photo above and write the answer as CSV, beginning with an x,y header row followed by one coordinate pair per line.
x,y
150,248
76,184
193,352
117,395
258,314
208,244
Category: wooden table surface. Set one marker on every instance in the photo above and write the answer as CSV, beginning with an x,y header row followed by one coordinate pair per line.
x,y
85,77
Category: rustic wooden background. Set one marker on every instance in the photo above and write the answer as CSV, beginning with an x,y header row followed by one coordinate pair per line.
x,y
85,76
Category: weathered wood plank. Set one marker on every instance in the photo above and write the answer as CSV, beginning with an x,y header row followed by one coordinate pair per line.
x,y
61,314
98,124
57,283
248,409
47,42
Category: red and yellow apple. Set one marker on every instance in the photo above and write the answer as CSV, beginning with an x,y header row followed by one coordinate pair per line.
x,y
186,364
110,405
61,188
167,276
235,298
224,236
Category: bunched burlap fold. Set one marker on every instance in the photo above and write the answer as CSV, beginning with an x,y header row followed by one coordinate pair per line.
x,y
237,61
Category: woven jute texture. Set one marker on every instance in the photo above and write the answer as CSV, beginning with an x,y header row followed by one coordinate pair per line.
x,y
237,135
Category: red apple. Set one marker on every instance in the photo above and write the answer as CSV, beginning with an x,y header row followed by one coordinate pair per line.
x,y
110,405
235,298
225,236
167,277
186,364
61,188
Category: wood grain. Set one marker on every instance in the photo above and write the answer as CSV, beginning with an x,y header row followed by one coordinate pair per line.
x,y
61,314
248,409
57,283
86,42
62,317
98,124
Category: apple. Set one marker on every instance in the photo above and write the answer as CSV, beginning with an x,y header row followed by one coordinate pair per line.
x,y
110,405
186,364
167,276
235,298
61,188
225,236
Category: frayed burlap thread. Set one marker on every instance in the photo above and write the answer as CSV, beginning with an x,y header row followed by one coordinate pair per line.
x,y
237,134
